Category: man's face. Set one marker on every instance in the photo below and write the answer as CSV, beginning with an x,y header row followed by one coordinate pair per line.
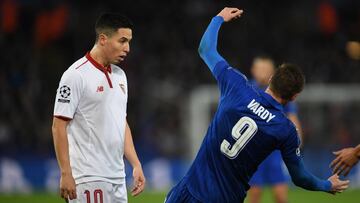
x,y
262,70
117,46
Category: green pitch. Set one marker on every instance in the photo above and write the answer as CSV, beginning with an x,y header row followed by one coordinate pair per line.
x,y
295,196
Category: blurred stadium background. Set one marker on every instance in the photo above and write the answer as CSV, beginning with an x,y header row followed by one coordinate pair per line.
x,y
172,94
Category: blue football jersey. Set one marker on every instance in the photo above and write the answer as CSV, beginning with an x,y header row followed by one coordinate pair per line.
x,y
248,125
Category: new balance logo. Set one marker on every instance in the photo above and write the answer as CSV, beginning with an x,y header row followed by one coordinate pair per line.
x,y
100,89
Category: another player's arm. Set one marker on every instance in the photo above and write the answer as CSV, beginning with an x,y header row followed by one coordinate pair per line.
x,y
208,45
292,114
67,182
301,177
293,117
345,160
131,156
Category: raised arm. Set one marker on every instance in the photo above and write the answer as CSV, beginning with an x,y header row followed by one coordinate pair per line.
x,y
208,44
292,114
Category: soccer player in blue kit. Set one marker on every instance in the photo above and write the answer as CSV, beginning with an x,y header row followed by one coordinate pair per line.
x,y
246,128
271,171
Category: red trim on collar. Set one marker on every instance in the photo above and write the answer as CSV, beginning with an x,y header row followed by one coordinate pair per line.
x,y
106,70
96,64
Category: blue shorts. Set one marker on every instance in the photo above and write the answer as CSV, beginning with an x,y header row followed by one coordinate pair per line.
x,y
180,194
270,171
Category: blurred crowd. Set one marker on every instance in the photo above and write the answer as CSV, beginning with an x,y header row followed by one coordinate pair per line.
x,y
40,39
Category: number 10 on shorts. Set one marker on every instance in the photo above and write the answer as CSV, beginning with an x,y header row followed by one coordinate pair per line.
x,y
98,196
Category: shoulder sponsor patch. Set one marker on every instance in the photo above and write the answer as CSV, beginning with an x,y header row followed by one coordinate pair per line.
x,y
63,100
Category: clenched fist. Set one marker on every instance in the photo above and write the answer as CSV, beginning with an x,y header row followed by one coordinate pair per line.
x,y
230,13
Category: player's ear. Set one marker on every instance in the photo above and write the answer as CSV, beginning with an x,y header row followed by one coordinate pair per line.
x,y
102,39
270,78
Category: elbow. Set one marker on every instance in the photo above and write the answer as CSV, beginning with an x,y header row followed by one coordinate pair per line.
x,y
302,182
298,178
203,53
201,50
298,181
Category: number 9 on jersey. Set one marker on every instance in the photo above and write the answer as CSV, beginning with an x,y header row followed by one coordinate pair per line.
x,y
242,132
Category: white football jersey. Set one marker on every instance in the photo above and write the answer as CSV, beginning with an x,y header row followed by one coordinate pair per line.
x,y
95,99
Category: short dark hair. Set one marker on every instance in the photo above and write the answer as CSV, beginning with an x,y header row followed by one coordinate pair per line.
x,y
108,23
264,57
287,81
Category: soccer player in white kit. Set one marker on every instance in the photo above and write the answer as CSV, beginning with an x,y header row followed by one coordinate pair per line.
x,y
90,130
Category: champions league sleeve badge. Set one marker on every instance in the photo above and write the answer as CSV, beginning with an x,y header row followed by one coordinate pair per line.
x,y
64,92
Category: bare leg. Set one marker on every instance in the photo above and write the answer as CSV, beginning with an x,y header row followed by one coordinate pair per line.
x,y
255,194
280,192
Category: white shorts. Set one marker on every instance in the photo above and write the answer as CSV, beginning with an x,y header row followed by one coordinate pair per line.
x,y
100,192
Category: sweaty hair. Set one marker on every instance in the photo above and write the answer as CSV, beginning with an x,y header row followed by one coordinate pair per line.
x,y
287,81
109,23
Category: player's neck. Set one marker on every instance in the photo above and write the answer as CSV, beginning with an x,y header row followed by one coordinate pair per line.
x,y
277,98
99,56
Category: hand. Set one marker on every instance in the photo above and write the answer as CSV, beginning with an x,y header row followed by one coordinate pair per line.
x,y
139,181
337,185
230,13
345,160
67,187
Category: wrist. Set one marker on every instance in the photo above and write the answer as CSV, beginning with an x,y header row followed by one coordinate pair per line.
x,y
327,187
66,172
219,19
137,165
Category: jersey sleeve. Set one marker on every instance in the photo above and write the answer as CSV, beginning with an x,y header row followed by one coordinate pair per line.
x,y
290,147
290,150
68,94
224,74
208,44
